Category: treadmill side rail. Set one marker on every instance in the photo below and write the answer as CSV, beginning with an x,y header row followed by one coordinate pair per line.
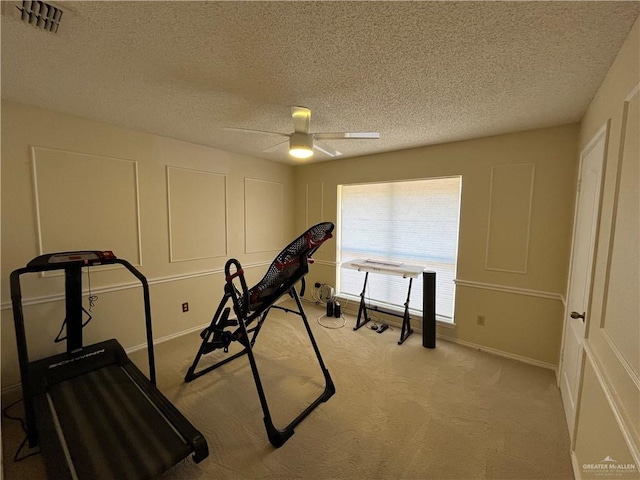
x,y
186,430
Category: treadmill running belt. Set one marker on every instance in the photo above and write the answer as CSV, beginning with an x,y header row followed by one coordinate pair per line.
x,y
112,430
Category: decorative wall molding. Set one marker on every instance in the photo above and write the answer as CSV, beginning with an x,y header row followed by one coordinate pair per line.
x,y
113,165
263,219
514,290
492,194
202,216
616,198
633,375
610,396
126,286
485,286
311,218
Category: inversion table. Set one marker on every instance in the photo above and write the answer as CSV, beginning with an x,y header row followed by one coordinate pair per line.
x,y
251,304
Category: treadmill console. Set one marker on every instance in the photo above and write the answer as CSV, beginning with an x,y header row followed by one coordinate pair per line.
x,y
87,257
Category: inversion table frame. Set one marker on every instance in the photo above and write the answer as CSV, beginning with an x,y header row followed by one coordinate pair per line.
x,y
249,305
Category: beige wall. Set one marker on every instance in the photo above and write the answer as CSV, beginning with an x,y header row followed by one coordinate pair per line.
x,y
519,289
608,418
174,208
522,308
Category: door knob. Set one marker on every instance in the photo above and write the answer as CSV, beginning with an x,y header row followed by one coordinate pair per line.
x,y
577,315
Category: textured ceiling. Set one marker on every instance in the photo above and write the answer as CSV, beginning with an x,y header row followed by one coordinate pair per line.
x,y
420,73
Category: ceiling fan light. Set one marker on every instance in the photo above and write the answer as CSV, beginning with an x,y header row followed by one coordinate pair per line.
x,y
300,152
301,145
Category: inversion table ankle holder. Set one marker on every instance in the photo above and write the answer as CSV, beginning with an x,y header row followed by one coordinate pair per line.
x,y
288,268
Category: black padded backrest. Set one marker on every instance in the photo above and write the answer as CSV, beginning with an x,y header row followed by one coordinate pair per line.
x,y
289,266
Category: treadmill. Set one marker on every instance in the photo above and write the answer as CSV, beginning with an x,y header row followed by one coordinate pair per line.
x,y
94,414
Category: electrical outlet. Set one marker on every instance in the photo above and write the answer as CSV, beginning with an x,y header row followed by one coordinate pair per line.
x,y
185,307
481,320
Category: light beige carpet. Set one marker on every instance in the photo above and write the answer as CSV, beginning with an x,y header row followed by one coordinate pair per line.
x,y
400,411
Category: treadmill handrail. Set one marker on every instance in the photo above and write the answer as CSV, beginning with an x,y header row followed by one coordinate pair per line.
x,y
23,356
21,338
18,316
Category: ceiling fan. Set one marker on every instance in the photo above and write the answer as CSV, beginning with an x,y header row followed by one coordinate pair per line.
x,y
301,141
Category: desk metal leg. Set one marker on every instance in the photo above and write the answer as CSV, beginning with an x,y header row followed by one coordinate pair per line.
x,y
362,311
406,319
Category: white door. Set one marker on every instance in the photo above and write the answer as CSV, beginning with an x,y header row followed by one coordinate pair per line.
x,y
579,286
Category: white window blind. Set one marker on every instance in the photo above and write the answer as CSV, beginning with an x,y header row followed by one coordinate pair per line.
x,y
412,222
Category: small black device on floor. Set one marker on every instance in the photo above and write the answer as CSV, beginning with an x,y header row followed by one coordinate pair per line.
x,y
382,327
337,310
329,308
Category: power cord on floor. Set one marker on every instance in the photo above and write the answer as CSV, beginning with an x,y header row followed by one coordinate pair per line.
x,y
331,313
344,322
319,301
5,413
377,324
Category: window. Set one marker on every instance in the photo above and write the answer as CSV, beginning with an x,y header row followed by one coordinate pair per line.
x,y
412,222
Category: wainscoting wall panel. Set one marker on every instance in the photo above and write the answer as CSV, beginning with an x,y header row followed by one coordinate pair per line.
x,y
86,202
620,321
264,215
510,202
197,214
314,206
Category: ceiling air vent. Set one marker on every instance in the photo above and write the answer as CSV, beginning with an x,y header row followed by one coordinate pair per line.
x,y
41,15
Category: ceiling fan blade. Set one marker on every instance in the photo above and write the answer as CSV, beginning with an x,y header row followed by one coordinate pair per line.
x,y
327,150
274,147
301,117
250,130
342,135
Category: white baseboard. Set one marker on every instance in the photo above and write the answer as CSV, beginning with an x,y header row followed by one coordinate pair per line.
x,y
11,393
417,328
494,351
166,338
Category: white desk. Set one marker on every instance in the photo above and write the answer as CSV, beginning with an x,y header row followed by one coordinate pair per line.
x,y
386,268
